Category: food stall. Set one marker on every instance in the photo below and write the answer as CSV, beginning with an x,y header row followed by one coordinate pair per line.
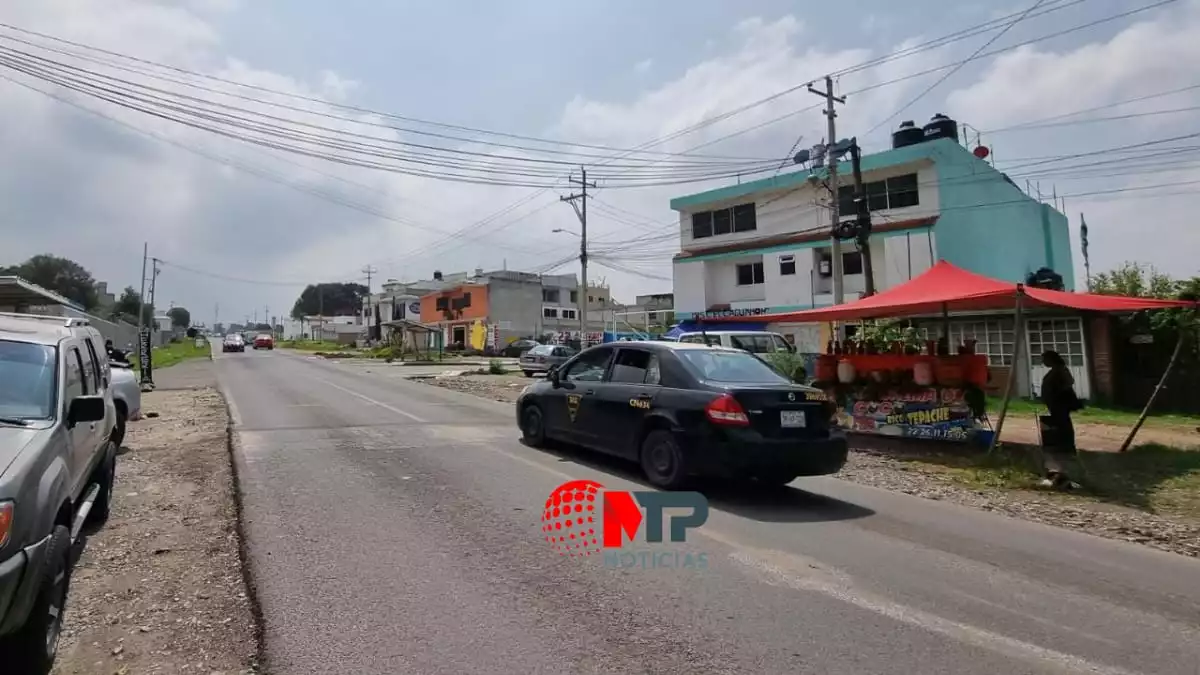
x,y
934,389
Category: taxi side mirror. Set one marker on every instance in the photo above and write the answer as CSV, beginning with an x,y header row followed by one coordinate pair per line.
x,y
552,374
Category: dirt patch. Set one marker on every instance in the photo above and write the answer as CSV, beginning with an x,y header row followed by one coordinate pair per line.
x,y
1103,437
160,588
505,388
923,476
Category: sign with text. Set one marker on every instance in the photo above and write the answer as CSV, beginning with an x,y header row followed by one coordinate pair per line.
x,y
748,311
931,413
146,356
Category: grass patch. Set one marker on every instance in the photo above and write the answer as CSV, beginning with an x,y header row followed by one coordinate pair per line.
x,y
310,345
496,367
1151,477
173,353
1096,415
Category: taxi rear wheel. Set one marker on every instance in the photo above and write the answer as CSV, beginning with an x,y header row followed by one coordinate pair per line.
x,y
662,460
533,425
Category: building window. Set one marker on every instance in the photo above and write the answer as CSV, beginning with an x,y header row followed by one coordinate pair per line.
x,y
740,218
993,338
787,265
852,262
893,193
549,313
570,314
574,297
550,295
1064,336
750,274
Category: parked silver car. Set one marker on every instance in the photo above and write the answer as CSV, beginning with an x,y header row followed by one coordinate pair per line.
x,y
127,396
542,357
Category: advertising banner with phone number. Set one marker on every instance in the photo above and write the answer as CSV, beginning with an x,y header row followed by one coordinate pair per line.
x,y
929,413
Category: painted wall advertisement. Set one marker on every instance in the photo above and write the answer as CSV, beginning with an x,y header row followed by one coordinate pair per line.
x,y
932,413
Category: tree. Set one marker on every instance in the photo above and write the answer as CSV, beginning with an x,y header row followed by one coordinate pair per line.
x,y
126,307
65,277
180,317
1136,280
334,299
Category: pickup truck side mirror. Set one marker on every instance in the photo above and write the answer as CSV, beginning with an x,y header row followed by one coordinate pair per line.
x,y
86,409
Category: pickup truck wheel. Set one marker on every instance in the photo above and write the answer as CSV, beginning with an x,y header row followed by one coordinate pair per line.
x,y
32,648
106,477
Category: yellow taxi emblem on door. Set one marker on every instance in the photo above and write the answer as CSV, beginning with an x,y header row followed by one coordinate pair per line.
x,y
643,403
573,405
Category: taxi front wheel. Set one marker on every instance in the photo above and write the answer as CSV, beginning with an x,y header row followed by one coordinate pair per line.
x,y
533,425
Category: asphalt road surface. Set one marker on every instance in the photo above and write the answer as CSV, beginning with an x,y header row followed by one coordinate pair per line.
x,y
394,527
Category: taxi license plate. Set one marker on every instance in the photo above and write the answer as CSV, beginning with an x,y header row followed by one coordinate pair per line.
x,y
791,418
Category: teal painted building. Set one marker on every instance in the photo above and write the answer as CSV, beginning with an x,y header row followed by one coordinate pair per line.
x,y
930,201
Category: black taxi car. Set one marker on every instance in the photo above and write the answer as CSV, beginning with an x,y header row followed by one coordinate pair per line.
x,y
686,409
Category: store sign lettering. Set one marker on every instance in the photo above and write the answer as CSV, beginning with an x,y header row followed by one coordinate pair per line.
x,y
930,416
749,311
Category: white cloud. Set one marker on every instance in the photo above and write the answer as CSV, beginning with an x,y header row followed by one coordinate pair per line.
x,y
76,188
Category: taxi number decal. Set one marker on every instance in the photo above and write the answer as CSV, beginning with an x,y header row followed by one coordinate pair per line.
x,y
642,403
815,396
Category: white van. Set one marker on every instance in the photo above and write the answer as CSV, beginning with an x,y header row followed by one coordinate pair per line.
x,y
753,341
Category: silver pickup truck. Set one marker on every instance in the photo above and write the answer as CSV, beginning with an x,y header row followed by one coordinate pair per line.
x,y
57,467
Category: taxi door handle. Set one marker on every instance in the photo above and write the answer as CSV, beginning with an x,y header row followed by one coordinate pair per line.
x,y
589,392
644,397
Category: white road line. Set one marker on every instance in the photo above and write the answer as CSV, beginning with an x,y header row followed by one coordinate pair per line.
x,y
368,399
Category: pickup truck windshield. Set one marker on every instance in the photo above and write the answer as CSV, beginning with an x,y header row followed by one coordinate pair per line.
x,y
27,382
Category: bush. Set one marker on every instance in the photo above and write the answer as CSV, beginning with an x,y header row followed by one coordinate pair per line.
x,y
496,367
789,364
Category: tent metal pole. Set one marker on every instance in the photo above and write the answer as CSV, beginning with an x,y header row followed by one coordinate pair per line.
x,y
1183,330
1018,340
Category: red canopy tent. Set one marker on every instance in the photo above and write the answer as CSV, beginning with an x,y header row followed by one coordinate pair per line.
x,y
945,288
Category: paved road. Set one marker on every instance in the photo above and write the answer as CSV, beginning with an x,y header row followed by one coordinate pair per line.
x,y
394,528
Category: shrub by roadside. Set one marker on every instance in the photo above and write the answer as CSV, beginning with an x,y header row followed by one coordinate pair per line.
x,y
159,589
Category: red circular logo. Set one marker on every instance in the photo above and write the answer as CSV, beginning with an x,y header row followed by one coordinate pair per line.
x,y
569,519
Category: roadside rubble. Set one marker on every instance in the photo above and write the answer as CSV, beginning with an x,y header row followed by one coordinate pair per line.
x,y
889,472
159,589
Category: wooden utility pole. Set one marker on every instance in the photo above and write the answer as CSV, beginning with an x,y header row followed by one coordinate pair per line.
x,y
578,201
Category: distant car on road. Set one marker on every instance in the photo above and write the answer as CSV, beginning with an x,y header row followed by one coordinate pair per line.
x,y
233,343
542,357
683,409
264,341
518,347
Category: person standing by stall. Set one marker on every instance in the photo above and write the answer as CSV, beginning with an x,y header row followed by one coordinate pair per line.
x,y
1058,430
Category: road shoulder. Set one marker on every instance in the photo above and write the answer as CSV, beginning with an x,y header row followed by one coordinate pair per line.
x,y
160,587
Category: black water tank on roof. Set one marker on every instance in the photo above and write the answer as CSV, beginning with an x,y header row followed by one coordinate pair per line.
x,y
908,134
941,127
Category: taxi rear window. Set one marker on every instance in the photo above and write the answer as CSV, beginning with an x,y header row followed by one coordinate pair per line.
x,y
730,367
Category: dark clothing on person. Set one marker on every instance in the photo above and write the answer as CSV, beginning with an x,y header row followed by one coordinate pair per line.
x,y
1058,395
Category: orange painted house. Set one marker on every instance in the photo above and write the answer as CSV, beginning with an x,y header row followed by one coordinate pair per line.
x,y
461,311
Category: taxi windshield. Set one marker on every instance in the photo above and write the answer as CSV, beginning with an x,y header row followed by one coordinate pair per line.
x,y
729,367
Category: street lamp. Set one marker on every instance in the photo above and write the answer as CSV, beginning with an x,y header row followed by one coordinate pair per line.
x,y
559,229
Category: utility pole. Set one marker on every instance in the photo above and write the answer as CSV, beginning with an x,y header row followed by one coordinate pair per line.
x,y
832,162
862,219
369,271
216,315
578,201
1083,243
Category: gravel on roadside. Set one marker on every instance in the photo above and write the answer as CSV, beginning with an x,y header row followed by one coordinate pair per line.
x,y
889,472
159,589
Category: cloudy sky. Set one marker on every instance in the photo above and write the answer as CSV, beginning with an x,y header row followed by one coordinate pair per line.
x,y
413,87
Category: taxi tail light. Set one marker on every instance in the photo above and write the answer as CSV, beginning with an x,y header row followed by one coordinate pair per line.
x,y
725,410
